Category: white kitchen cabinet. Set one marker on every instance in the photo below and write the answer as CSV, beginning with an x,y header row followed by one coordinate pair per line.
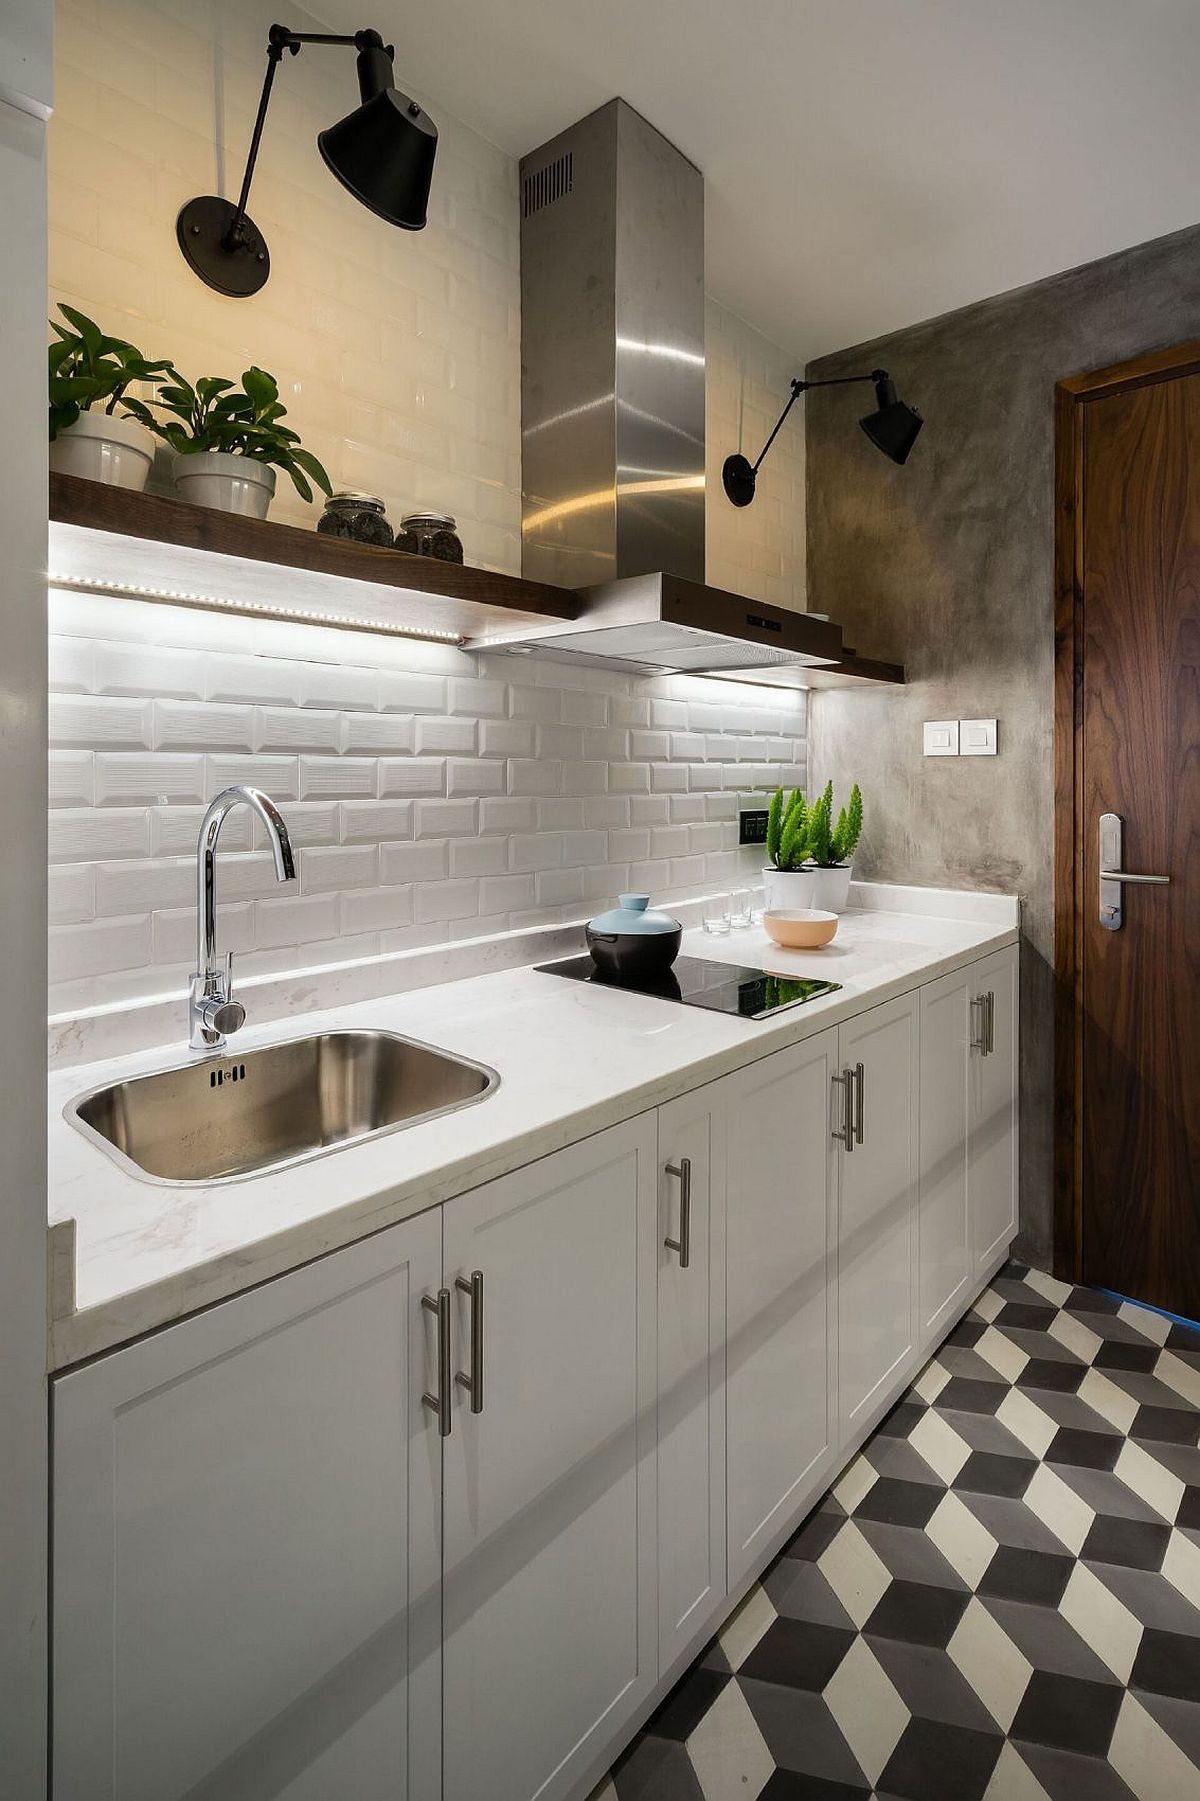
x,y
993,1097
875,1108
246,1545
550,1627
947,1258
780,1292
691,1366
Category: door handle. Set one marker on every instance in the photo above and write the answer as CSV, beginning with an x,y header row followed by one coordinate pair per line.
x,y
1113,877
439,1403
846,1135
683,1244
473,1382
860,1083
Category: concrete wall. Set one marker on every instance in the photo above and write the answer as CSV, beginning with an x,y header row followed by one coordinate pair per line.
x,y
947,565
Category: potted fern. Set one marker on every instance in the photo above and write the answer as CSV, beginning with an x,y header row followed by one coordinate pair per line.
x,y
228,442
89,374
811,854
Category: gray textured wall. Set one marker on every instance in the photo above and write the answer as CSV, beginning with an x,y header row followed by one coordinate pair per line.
x,y
947,565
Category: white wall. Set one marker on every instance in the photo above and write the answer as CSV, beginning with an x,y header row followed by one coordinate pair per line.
x,y
397,352
433,795
23,1511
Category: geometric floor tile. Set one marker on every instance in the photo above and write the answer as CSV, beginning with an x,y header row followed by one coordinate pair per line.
x,y
999,1600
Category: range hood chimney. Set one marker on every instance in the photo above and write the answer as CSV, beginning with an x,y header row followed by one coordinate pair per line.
x,y
612,414
612,354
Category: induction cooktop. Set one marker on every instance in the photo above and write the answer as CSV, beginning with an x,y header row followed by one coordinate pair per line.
x,y
721,987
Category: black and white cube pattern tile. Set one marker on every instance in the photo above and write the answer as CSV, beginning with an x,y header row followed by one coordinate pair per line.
x,y
998,1601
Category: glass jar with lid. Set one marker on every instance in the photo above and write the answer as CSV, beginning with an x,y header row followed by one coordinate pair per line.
x,y
430,535
359,517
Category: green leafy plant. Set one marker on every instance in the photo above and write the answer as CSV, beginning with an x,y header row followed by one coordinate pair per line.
x,y
799,834
215,414
87,369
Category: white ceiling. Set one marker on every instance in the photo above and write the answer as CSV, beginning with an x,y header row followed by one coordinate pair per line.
x,y
868,163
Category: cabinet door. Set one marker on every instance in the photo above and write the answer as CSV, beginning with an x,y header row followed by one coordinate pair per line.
x,y
780,1379
246,1545
549,1604
947,1258
993,1138
877,1221
691,1399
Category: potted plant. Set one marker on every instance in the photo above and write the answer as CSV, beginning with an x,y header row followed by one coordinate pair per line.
x,y
811,856
88,376
228,442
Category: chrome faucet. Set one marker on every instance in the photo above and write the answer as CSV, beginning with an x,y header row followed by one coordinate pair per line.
x,y
212,1010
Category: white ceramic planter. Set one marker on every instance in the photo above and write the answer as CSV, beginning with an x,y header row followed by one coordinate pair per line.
x,y
788,890
230,483
103,448
831,888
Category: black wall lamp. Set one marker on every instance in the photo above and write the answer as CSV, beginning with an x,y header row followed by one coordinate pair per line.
x,y
382,152
892,428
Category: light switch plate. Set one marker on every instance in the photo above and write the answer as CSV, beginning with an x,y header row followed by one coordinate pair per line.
x,y
977,737
941,737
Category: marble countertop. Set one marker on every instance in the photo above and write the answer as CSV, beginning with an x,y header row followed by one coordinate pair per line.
x,y
127,1256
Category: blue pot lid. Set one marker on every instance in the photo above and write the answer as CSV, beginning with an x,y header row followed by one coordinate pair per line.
x,y
633,919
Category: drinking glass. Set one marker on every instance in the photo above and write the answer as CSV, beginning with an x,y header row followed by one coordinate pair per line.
x,y
716,913
739,909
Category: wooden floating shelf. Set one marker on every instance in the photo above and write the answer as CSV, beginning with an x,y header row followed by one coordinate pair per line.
x,y
110,541
116,541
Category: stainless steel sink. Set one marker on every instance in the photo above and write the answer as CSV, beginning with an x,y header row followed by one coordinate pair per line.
x,y
229,1117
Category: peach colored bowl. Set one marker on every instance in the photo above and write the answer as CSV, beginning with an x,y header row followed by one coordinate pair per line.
x,y
801,929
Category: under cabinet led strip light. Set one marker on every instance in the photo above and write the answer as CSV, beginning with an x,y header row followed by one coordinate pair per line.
x,y
178,597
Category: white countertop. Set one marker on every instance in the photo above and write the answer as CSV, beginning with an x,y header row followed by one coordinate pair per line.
x,y
572,1060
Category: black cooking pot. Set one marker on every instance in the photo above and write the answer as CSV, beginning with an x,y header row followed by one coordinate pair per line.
x,y
630,944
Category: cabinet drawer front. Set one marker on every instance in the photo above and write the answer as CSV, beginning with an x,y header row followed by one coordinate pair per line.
x,y
877,1224
691,1412
780,1396
993,1176
946,1254
246,1563
549,1611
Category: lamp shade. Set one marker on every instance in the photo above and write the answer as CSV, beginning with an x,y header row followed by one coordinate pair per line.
x,y
383,153
894,426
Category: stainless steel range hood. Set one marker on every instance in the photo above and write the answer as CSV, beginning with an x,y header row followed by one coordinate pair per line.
x,y
654,624
612,414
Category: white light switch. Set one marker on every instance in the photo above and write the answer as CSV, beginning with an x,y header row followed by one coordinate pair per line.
x,y
941,737
977,737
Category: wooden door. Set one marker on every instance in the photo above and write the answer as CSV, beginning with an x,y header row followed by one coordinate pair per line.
x,y
1129,746
691,1366
877,1212
247,1566
781,1322
550,1628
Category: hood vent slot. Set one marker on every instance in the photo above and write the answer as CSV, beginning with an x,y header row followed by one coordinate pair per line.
x,y
547,184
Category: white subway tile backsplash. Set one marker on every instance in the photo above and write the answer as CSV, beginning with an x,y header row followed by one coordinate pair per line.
x,y
72,778
138,669
423,805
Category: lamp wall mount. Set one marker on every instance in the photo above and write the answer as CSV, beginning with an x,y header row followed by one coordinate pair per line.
x,y
892,428
382,153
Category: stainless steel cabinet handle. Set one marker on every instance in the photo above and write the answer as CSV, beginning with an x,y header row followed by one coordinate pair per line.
x,y
683,1244
1112,876
989,1022
473,1383
846,1135
979,1031
859,1102
439,1403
